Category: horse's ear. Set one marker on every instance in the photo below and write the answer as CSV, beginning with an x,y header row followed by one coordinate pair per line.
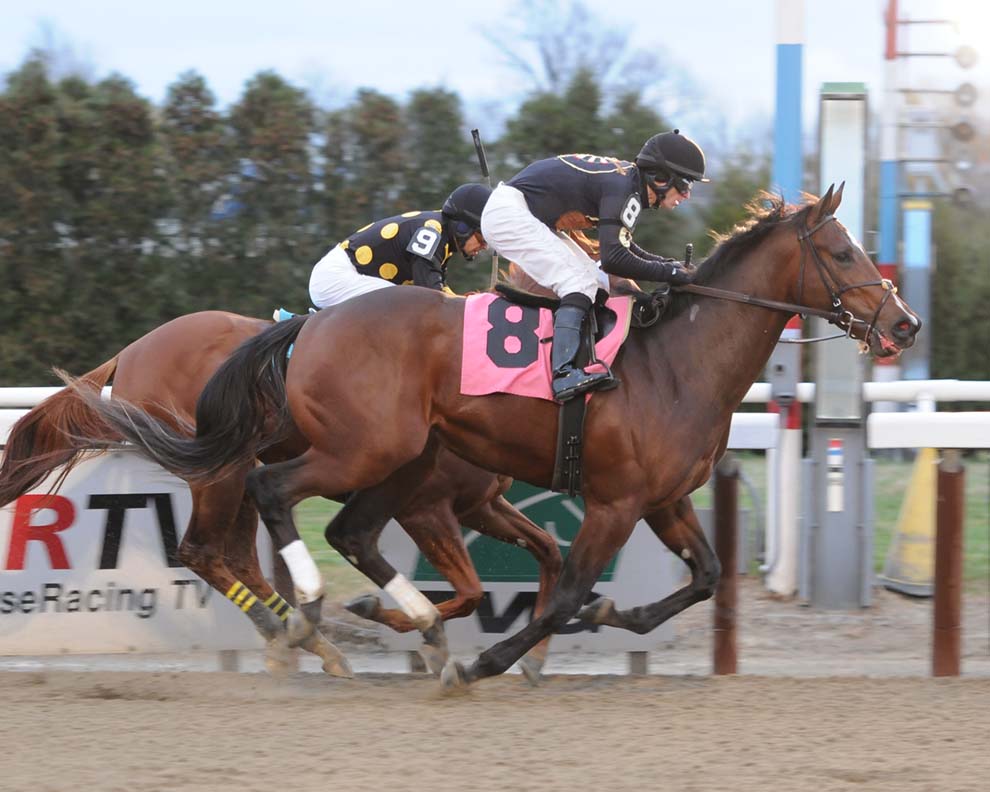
x,y
837,199
821,208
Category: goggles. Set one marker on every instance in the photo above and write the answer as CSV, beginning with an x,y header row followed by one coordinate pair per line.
x,y
682,184
462,230
664,179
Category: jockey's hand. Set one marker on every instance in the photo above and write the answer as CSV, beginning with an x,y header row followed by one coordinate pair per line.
x,y
680,274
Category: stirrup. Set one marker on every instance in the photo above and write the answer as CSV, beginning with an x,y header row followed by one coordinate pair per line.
x,y
585,383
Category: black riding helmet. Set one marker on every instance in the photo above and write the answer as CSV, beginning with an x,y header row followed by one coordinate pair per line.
x,y
464,207
670,159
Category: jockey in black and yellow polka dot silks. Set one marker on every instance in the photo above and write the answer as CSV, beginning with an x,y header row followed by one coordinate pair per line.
x,y
411,248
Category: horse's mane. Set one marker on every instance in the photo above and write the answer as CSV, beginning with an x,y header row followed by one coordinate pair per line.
x,y
765,212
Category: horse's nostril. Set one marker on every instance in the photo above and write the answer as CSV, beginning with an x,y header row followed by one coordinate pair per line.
x,y
903,328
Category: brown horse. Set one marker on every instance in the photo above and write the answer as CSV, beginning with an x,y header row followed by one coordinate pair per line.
x,y
372,420
165,371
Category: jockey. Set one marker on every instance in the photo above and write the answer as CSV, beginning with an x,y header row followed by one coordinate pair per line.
x,y
411,248
522,219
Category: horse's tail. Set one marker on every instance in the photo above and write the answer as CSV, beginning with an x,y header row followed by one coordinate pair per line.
x,y
240,412
44,438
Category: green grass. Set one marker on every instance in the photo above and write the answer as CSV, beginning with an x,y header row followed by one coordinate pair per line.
x,y
343,581
891,480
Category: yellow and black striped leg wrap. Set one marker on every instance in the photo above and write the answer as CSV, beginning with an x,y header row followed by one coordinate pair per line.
x,y
266,621
277,605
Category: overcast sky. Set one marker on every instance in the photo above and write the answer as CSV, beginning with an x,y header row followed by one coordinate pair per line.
x,y
726,47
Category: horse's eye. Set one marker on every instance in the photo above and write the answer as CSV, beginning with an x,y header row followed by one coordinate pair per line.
x,y
843,256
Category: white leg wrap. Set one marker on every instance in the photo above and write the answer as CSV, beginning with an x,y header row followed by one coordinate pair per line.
x,y
305,576
411,600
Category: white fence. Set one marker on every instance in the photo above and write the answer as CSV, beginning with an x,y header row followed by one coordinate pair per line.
x,y
62,590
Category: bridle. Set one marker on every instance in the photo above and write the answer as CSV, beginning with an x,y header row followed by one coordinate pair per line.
x,y
840,316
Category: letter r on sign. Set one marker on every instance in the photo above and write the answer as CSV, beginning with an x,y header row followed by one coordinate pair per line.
x,y
22,531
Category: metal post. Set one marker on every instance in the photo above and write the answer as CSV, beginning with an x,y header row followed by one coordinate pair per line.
x,y
946,641
229,660
639,663
726,595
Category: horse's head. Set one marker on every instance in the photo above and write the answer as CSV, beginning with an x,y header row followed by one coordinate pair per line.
x,y
837,276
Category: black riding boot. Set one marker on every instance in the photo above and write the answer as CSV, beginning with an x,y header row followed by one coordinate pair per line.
x,y
568,379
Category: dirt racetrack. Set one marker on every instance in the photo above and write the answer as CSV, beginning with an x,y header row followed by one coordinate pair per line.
x,y
136,732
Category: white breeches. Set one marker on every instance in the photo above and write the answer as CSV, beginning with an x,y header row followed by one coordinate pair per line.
x,y
551,258
334,279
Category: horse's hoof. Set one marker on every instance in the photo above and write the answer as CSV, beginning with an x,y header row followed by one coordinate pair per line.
x,y
453,676
434,649
531,668
435,657
366,606
298,628
596,610
334,661
277,657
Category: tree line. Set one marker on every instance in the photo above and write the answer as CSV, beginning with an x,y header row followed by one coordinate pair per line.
x,y
117,215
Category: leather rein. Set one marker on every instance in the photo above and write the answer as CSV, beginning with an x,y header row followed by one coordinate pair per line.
x,y
838,316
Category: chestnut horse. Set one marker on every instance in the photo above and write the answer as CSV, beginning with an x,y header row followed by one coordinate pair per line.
x,y
165,371
375,418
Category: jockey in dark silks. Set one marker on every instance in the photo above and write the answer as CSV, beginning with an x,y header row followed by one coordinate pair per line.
x,y
522,217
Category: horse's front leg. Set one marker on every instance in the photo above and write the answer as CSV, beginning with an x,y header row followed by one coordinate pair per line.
x,y
501,520
437,534
604,530
677,527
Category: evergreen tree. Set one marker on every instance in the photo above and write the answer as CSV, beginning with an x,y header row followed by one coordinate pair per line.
x,y
438,154
363,163
201,169
30,211
280,233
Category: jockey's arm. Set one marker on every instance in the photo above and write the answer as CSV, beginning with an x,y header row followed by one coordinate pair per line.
x,y
620,259
427,273
645,254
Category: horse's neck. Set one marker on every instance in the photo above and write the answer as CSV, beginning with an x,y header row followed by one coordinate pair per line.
x,y
727,344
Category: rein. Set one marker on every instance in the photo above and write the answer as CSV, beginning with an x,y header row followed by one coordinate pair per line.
x,y
838,316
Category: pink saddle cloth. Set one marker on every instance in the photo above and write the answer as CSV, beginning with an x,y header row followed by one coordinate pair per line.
x,y
507,346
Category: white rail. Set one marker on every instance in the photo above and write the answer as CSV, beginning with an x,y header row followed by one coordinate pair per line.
x,y
947,390
901,391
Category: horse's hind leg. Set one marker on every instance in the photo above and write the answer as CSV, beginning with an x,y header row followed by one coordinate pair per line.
x,y
241,558
275,489
501,520
677,527
214,509
202,550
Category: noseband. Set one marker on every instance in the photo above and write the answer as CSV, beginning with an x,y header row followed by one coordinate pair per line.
x,y
840,316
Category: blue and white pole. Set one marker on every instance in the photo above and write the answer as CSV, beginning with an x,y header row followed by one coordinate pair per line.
x,y
787,160
782,538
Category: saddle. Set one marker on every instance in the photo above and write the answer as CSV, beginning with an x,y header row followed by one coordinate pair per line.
x,y
648,307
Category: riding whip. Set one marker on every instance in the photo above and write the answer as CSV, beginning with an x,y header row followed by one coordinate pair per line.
x,y
483,162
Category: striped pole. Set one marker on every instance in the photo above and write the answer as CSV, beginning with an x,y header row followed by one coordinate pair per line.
x,y
888,369
782,524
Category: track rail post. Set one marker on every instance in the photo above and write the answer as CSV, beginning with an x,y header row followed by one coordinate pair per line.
x,y
946,641
726,548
